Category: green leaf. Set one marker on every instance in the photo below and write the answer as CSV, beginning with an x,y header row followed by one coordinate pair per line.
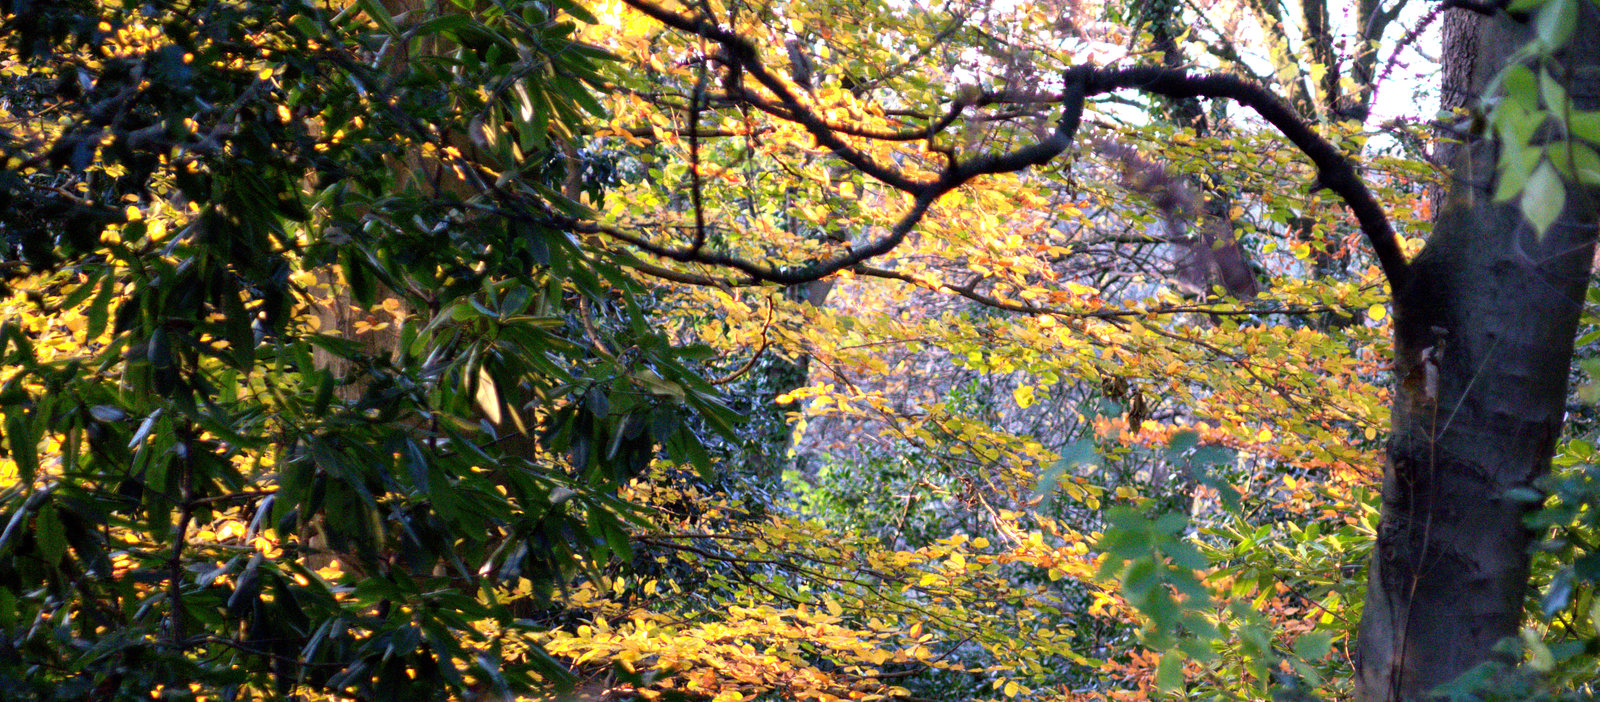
x,y
1182,441
1169,673
1556,22
1516,165
237,329
23,445
603,524
50,534
1185,555
1577,162
308,28
79,293
379,14
1543,199
1140,579
449,23
1313,645
659,386
1540,657
1082,452
1520,87
99,307
1554,95
1585,125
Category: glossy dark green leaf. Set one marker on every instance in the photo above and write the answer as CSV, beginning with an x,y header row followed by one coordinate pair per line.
x,y
22,445
50,535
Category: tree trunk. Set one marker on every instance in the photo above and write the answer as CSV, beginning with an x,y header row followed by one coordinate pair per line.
x,y
1484,329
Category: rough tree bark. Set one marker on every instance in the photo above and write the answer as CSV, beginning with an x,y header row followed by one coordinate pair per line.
x,y
1484,327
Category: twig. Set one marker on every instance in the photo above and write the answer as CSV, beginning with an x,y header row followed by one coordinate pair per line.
x,y
765,341
696,191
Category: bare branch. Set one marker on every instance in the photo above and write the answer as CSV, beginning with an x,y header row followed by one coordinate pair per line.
x,y
933,129
970,292
1335,171
696,191
760,272
742,53
766,340
1076,89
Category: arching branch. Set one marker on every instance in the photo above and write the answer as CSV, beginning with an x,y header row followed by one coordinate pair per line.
x,y
1334,170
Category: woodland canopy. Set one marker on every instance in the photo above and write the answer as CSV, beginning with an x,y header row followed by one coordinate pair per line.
x,y
816,350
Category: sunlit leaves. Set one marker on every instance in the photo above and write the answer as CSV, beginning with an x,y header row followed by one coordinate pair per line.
x,y
205,480
417,483
1001,356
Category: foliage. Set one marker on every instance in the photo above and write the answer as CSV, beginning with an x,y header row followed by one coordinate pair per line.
x,y
1532,167
1003,374
210,488
713,350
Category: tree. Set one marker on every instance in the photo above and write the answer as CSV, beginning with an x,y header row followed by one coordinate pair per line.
x,y
1485,314
205,493
502,464
1485,318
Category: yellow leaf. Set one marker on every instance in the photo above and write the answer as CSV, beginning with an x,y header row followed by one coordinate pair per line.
x,y
1023,395
488,396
